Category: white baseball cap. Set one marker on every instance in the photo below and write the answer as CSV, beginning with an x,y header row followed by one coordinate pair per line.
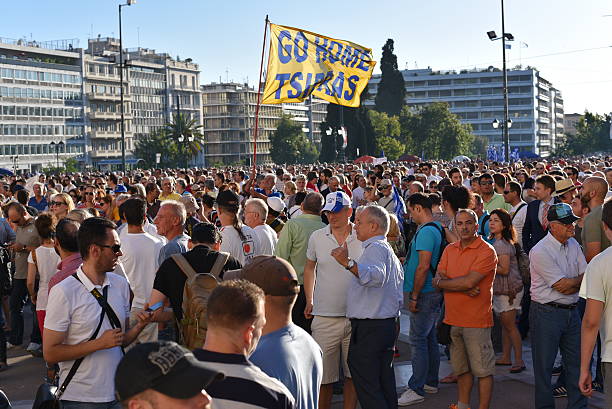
x,y
335,201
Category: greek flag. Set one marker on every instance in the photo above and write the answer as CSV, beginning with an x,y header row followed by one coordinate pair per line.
x,y
399,208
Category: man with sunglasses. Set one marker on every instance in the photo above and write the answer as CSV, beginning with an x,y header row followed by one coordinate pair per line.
x,y
491,200
90,302
89,199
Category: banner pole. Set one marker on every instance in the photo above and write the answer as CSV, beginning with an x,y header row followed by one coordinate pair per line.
x,y
263,51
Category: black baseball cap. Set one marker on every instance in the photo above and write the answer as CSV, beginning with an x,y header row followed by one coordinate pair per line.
x,y
165,367
561,212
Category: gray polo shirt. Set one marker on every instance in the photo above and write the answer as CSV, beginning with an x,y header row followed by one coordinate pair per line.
x,y
26,235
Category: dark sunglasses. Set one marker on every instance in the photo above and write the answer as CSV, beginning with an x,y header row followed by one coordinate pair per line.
x,y
57,203
506,192
115,248
90,193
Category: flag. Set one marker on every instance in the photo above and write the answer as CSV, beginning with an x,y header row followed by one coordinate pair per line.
x,y
302,63
508,46
399,208
524,45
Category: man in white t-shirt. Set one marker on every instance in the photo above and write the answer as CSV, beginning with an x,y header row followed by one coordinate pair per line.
x,y
74,315
239,240
255,216
140,261
596,288
326,285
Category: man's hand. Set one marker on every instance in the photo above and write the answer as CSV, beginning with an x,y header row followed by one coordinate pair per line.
x,y
565,286
585,383
144,318
473,292
412,306
308,310
110,339
341,255
16,246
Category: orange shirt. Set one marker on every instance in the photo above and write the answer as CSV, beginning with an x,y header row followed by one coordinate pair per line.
x,y
461,310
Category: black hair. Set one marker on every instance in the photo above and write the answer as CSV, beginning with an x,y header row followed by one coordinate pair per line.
x,y
66,233
208,200
515,187
205,233
311,175
548,182
458,197
93,231
134,210
485,176
299,197
419,198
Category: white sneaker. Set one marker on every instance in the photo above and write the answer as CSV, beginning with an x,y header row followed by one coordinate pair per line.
x,y
430,389
11,346
409,397
33,346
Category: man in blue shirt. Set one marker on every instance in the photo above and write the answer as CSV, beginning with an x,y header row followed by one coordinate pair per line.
x,y
38,201
374,298
422,300
285,351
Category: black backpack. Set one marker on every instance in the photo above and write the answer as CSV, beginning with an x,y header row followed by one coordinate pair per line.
x,y
482,225
443,244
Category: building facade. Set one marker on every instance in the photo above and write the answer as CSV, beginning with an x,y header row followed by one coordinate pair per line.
x,y
42,120
476,97
229,121
570,122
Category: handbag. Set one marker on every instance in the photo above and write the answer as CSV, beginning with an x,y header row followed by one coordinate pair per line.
x,y
48,395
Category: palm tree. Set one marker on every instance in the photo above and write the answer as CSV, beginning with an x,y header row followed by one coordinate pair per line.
x,y
183,133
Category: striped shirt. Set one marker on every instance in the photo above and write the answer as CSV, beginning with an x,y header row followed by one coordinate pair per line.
x,y
245,385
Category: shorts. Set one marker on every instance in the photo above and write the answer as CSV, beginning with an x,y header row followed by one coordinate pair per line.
x,y
333,335
471,350
501,303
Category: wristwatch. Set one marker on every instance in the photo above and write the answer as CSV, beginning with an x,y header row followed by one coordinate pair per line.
x,y
350,264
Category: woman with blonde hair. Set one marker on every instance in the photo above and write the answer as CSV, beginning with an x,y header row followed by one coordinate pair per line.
x,y
60,205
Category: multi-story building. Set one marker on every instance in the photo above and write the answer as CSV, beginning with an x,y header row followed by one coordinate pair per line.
x,y
570,122
41,103
229,121
476,97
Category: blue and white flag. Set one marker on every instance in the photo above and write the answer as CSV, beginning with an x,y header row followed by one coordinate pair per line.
x,y
399,208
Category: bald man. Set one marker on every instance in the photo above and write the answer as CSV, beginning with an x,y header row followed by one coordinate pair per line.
x,y
593,193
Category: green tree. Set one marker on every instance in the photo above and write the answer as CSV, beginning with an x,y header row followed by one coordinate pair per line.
x,y
391,89
290,145
392,147
328,145
185,134
592,135
148,146
434,132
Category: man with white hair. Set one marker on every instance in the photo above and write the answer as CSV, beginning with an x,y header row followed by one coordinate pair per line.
x,y
170,221
168,192
255,216
374,298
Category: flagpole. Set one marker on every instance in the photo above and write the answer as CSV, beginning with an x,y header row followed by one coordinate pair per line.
x,y
263,51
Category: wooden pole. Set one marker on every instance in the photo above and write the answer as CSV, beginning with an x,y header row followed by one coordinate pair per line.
x,y
255,131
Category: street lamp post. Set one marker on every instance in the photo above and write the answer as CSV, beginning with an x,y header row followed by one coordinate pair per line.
x,y
181,139
121,65
505,127
509,37
57,147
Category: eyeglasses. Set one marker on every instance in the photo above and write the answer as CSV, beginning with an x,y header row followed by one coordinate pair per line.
x,y
539,168
57,203
89,193
506,192
115,248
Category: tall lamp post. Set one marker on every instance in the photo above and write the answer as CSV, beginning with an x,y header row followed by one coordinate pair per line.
x,y
188,139
57,147
129,3
509,37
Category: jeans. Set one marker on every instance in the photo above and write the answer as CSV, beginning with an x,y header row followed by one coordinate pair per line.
x,y
18,299
70,404
554,329
424,343
370,360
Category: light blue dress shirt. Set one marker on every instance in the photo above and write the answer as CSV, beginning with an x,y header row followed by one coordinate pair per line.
x,y
378,291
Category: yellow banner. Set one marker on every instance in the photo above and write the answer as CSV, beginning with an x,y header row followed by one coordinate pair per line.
x,y
302,63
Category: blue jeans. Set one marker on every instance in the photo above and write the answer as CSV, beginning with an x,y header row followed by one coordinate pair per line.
x,y
554,329
70,404
424,342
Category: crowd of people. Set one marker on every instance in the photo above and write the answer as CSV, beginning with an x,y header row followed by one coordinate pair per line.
x,y
278,286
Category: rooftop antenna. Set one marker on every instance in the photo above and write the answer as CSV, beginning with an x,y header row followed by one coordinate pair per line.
x,y
416,66
226,74
138,31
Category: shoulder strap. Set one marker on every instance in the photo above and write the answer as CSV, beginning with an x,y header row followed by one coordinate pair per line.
x,y
112,317
219,264
482,226
78,362
518,210
184,265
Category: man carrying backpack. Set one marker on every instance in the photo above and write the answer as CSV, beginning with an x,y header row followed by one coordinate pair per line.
x,y
171,283
422,300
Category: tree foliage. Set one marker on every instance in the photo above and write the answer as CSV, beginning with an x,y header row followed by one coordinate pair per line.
x,y
391,89
185,134
148,146
592,135
392,148
434,132
290,145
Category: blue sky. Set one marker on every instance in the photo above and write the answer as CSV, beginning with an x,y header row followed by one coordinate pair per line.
x,y
225,37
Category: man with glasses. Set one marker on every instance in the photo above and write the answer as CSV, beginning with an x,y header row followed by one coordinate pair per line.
x,y
540,169
557,266
89,198
491,200
572,173
74,314
387,198
518,211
